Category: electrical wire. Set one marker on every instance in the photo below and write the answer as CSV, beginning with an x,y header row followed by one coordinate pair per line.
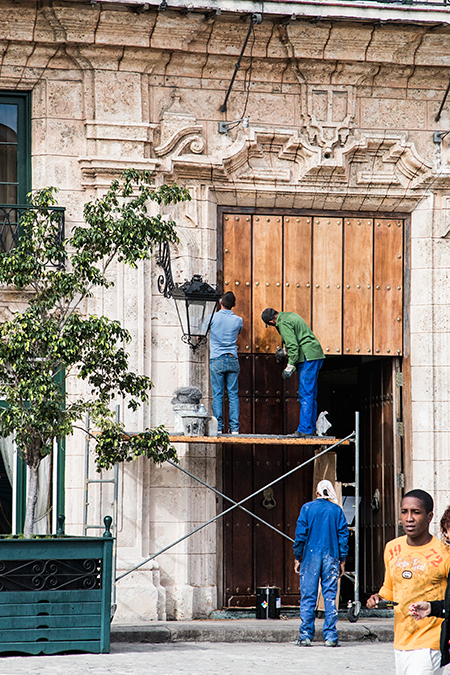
x,y
249,72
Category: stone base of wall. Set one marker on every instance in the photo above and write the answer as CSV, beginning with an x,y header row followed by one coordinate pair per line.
x,y
185,602
141,598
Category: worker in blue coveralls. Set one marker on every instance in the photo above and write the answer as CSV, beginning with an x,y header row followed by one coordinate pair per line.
x,y
320,549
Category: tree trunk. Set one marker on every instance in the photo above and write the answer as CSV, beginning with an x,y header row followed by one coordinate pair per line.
x,y
33,484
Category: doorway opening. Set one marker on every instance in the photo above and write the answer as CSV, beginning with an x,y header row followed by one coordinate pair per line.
x,y
256,556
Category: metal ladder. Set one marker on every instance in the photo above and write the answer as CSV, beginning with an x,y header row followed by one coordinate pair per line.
x,y
96,481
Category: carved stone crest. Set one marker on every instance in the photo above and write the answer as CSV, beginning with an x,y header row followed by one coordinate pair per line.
x,y
328,113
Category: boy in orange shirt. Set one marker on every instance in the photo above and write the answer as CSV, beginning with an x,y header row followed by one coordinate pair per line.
x,y
417,566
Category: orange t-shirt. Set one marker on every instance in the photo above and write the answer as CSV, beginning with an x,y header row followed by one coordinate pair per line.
x,y
415,573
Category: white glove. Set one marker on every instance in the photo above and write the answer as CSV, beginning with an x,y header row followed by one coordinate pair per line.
x,y
287,372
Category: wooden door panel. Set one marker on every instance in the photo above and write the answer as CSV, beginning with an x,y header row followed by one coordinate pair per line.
x,y
388,422
268,415
269,505
377,468
245,375
358,292
245,415
388,287
297,266
327,283
267,279
237,270
298,490
291,414
291,386
238,524
268,379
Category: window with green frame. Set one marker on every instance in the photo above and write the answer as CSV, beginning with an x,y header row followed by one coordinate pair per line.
x,y
15,147
15,162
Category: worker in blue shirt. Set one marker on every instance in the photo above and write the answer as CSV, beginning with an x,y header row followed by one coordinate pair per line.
x,y
224,362
320,549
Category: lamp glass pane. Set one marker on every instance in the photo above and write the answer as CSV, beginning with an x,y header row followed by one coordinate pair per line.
x,y
209,313
199,316
180,304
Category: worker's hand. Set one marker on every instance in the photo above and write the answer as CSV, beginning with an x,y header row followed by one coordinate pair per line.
x,y
419,610
280,354
287,372
341,568
297,567
373,600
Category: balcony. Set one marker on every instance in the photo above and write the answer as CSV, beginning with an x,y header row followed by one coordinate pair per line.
x,y
10,224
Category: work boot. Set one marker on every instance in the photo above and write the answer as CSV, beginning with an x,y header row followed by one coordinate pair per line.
x,y
331,643
300,434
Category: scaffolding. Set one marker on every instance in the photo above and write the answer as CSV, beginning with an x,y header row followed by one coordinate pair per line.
x,y
329,444
90,482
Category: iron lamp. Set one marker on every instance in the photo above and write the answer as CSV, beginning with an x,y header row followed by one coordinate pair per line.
x,y
195,301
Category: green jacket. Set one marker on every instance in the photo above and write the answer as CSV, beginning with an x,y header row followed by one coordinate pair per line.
x,y
300,341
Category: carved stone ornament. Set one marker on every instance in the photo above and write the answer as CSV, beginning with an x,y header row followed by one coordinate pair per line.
x,y
280,156
328,112
179,133
387,160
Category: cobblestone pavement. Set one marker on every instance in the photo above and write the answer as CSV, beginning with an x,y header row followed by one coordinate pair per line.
x,y
197,658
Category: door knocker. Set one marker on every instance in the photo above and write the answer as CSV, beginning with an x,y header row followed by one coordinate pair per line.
x,y
269,501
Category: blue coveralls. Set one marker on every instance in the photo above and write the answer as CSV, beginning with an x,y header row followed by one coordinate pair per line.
x,y
321,541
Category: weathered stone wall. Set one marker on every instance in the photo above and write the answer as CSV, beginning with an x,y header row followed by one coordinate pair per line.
x,y
341,117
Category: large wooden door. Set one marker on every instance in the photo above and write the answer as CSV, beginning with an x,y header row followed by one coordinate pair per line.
x,y
344,276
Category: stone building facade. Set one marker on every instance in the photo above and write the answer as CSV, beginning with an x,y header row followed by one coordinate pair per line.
x,y
342,106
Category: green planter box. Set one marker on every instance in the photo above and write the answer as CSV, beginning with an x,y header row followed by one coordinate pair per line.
x,y
55,594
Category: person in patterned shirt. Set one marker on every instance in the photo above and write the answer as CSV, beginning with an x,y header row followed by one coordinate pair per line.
x,y
416,566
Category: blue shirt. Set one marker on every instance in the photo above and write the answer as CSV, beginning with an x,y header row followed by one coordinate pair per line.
x,y
321,528
225,328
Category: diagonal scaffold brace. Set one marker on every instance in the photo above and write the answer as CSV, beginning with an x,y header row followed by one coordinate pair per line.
x,y
235,505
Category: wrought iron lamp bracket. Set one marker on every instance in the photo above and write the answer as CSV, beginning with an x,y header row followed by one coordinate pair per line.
x,y
192,294
194,343
165,280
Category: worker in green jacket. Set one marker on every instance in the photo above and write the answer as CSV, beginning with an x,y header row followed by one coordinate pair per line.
x,y
305,355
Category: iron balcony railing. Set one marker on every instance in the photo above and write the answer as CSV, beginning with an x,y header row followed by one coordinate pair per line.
x,y
10,223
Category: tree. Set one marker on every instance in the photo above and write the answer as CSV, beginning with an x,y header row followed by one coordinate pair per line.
x,y
52,337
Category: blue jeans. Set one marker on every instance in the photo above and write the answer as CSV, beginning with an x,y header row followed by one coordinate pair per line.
x,y
224,371
315,566
308,374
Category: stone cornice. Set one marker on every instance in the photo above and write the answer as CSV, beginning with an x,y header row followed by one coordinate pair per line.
x,y
116,131
115,26
420,11
97,172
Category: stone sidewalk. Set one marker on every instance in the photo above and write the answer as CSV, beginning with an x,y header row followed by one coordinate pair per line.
x,y
248,630
207,658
